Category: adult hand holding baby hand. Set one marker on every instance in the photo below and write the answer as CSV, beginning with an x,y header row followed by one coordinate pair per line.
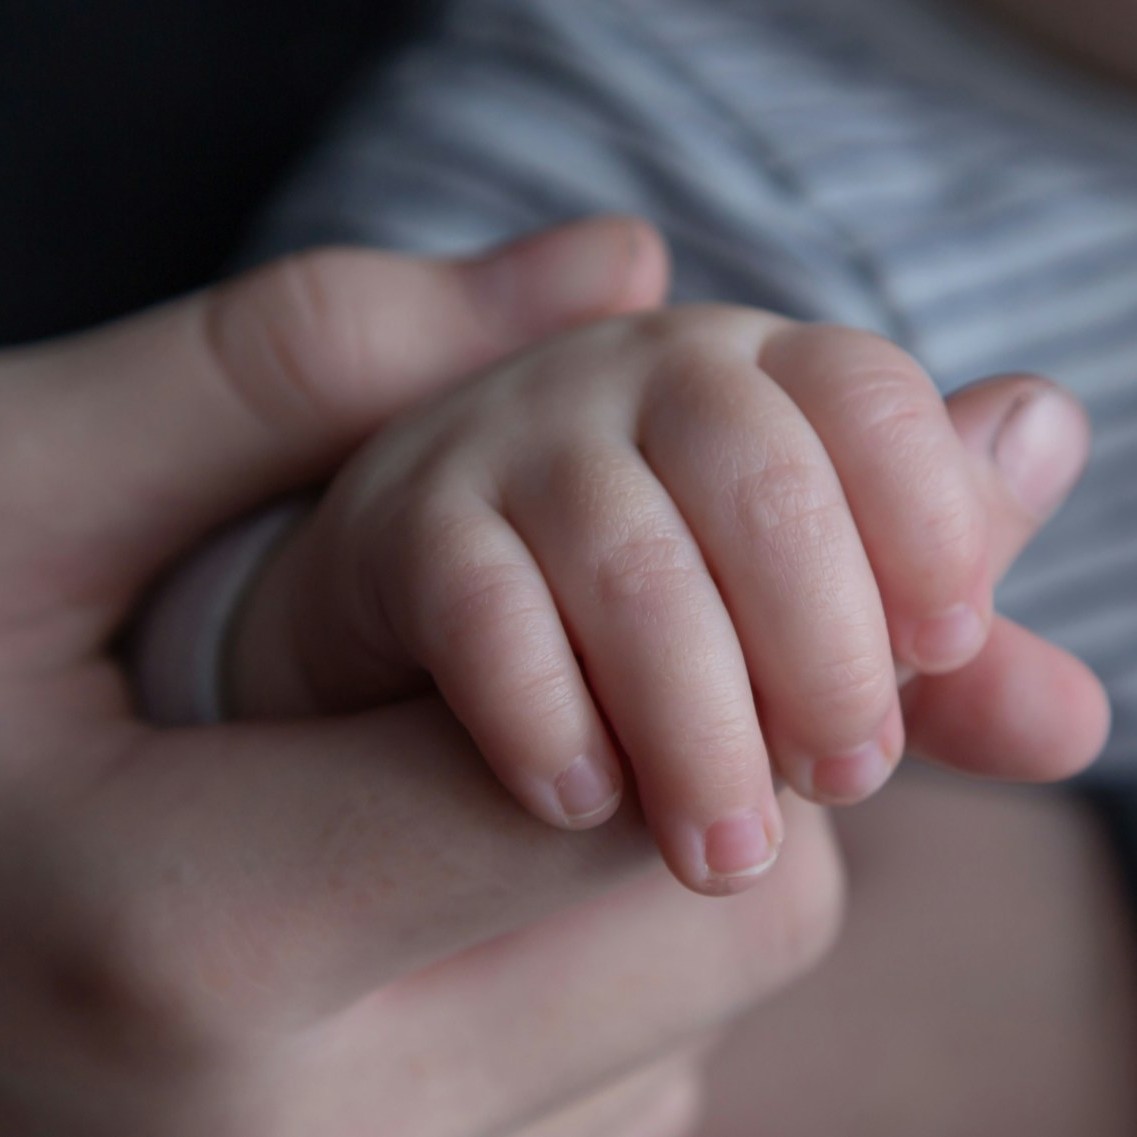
x,y
697,538
196,924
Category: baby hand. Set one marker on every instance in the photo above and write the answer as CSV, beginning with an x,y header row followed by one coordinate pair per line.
x,y
698,540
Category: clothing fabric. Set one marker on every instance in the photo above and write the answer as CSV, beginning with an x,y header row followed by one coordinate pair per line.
x,y
177,648
898,165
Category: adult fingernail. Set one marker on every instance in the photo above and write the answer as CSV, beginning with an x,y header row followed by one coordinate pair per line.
x,y
586,791
737,849
1041,448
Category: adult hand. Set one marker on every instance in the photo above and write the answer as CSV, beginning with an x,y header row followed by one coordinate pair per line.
x,y
224,930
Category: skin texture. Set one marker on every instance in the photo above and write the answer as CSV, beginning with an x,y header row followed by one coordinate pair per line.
x,y
197,923
692,542
269,930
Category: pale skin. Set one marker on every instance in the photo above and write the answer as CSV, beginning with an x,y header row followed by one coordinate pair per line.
x,y
699,542
896,1069
295,929
196,924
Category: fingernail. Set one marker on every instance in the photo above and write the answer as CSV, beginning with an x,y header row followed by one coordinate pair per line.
x,y
948,640
1041,448
585,791
548,281
859,773
737,849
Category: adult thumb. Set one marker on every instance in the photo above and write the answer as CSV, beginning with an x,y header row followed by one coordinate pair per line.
x,y
1029,440
1023,709
151,431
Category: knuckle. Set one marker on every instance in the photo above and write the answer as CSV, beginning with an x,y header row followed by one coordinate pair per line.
x,y
867,377
727,767
483,605
588,485
787,503
471,604
702,353
946,537
492,614
281,343
654,571
543,688
725,744
890,415
714,746
952,532
700,374
860,355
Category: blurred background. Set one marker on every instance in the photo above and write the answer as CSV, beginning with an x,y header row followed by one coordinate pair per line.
x,y
138,136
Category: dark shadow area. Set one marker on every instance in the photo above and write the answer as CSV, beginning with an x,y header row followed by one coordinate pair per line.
x,y
138,136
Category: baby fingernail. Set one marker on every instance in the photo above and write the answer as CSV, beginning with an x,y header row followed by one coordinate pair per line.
x,y
585,790
949,639
1041,448
858,773
739,848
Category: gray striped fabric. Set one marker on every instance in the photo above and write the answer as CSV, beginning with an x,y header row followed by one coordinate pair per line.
x,y
893,164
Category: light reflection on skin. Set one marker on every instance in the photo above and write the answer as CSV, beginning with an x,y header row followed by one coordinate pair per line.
x,y
1100,35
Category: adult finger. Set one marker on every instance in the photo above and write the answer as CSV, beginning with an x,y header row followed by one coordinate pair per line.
x,y
1023,708
1029,441
177,418
270,874
656,964
280,870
